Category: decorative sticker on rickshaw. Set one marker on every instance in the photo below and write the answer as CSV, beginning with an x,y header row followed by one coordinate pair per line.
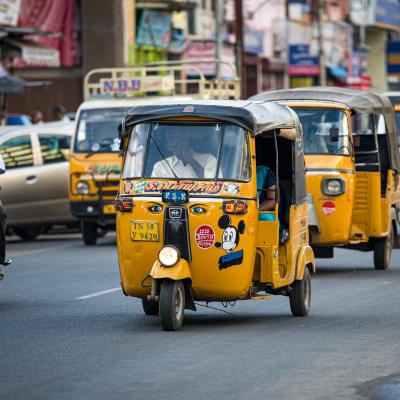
x,y
328,208
230,241
103,169
191,186
204,236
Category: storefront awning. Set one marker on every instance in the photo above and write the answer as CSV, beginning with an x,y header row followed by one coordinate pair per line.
x,y
34,54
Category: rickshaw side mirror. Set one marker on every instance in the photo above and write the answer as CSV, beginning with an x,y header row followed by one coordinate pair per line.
x,y
121,135
334,134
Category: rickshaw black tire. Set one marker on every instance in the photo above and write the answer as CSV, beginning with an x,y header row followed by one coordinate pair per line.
x,y
89,232
382,252
300,295
171,320
150,308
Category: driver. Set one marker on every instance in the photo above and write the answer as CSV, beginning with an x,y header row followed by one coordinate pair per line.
x,y
185,162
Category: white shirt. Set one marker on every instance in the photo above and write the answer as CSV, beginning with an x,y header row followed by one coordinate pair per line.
x,y
162,169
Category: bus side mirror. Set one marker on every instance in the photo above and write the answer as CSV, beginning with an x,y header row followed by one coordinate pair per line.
x,y
334,134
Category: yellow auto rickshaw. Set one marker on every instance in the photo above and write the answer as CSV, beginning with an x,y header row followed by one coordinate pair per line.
x,y
188,222
352,165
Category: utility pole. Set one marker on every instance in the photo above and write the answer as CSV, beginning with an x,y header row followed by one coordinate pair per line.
x,y
322,67
218,37
241,68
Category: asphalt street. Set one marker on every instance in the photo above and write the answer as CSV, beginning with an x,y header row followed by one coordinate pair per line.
x,y
68,332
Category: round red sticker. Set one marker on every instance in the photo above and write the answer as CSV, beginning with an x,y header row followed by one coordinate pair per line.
x,y
204,236
328,208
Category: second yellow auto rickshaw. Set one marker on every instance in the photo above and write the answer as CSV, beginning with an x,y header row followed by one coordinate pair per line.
x,y
189,227
352,167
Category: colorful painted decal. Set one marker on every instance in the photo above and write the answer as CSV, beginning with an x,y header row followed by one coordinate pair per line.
x,y
328,208
204,236
103,169
191,186
230,190
230,241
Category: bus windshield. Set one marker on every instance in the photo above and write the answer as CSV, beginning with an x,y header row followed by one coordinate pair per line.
x,y
97,130
188,151
317,124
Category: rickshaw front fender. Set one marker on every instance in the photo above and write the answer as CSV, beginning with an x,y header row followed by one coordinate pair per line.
x,y
305,257
177,272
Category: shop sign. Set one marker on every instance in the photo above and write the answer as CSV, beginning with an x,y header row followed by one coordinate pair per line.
x,y
130,85
154,29
206,50
387,13
9,10
253,41
301,62
393,58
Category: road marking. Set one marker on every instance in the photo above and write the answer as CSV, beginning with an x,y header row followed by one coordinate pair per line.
x,y
13,253
89,296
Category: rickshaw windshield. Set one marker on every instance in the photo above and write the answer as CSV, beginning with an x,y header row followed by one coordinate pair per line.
x,y
97,130
205,151
318,126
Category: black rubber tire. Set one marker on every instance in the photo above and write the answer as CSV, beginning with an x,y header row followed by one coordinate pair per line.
x,y
89,232
150,308
383,251
28,233
300,296
172,305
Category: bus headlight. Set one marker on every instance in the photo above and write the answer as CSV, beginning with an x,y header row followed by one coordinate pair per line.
x,y
82,188
333,186
168,256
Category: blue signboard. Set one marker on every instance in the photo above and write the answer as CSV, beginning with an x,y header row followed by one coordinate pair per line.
x,y
388,13
154,29
393,58
253,41
301,62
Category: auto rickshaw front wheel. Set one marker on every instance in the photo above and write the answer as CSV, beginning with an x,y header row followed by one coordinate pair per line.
x,y
300,295
172,305
383,251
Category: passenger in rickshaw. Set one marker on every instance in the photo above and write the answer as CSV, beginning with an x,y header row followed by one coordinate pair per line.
x,y
186,159
266,188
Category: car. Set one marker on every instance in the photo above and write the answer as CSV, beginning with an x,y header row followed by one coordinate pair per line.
x,y
34,190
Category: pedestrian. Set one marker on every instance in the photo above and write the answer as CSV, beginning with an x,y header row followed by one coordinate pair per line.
x,y
59,113
3,260
36,117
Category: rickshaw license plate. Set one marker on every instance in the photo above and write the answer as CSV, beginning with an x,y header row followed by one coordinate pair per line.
x,y
146,231
108,209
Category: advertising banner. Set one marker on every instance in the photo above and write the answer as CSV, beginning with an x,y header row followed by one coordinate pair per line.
x,y
9,10
155,29
393,58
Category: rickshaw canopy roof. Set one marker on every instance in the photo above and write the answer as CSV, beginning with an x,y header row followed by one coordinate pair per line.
x,y
256,117
357,101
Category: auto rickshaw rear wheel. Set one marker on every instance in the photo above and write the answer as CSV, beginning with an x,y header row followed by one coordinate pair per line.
x,y
89,232
300,295
172,305
383,251
149,307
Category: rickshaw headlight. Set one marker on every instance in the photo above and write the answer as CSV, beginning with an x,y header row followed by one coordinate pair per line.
x,y
82,188
333,187
168,256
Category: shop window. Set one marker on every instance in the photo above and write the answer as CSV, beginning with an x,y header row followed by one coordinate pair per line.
x,y
17,152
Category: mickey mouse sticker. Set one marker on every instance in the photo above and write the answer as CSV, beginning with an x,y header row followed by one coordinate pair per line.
x,y
230,241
